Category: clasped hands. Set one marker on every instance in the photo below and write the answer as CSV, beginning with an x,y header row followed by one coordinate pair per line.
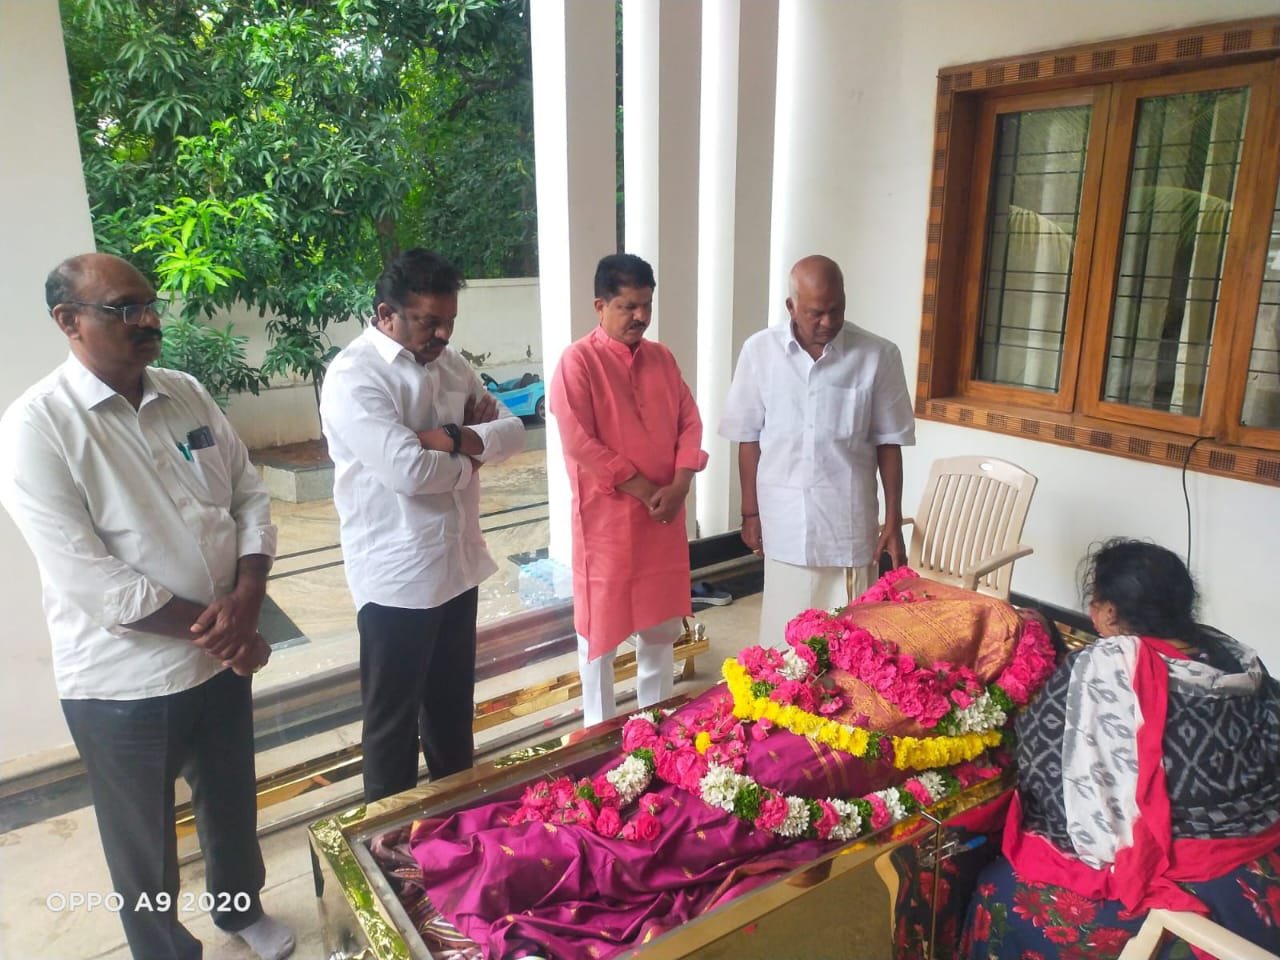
x,y
663,503
227,630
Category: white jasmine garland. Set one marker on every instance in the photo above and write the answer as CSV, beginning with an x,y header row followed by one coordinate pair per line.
x,y
981,715
630,778
793,667
934,783
850,824
797,820
719,786
893,803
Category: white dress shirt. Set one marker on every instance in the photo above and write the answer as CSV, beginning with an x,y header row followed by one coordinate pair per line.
x,y
409,518
818,423
123,515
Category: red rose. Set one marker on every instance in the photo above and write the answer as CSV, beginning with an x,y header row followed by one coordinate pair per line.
x,y
648,827
609,822
651,803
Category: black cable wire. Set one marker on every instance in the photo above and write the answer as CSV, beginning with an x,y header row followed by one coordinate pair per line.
x,y
1186,499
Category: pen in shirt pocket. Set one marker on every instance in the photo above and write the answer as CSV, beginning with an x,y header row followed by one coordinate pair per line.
x,y
186,452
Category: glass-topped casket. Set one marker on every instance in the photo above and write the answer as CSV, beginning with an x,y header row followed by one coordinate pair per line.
x,y
805,806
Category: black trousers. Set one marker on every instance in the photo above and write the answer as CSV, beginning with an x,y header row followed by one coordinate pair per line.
x,y
133,752
417,679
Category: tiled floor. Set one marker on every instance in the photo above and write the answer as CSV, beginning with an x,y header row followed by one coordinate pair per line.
x,y
45,865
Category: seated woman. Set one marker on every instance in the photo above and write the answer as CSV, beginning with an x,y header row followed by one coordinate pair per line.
x,y
1148,776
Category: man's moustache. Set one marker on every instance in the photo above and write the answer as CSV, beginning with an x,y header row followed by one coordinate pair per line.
x,y
435,343
142,336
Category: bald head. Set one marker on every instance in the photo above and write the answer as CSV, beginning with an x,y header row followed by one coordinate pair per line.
x,y
68,280
816,303
815,270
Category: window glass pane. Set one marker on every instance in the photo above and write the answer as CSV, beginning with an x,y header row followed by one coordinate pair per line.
x,y
1181,181
1031,229
1262,388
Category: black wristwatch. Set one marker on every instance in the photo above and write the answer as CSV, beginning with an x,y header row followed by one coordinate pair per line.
x,y
455,434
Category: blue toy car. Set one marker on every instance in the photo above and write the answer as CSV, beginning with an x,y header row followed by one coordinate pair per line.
x,y
525,396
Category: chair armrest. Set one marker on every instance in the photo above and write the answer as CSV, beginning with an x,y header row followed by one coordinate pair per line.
x,y
908,521
1196,930
993,562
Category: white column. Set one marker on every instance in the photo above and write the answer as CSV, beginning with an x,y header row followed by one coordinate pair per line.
x,y
574,78
740,42
45,211
661,50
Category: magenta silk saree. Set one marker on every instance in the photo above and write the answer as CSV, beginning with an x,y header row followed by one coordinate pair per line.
x,y
563,890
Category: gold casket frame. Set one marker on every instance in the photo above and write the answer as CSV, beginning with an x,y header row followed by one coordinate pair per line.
x,y
838,905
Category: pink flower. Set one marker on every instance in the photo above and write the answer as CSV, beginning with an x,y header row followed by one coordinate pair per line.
x,y
805,653
879,812
648,827
537,796
961,698
609,822
651,803
773,811
639,732
760,729
828,819
918,792
831,705
603,788
562,792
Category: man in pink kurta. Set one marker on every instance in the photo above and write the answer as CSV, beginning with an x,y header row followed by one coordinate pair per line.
x,y
632,441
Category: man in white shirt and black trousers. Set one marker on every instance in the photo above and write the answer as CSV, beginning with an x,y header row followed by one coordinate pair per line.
x,y
409,426
153,537
818,407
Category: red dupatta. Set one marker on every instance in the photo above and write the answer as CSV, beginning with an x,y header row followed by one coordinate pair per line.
x,y
1145,874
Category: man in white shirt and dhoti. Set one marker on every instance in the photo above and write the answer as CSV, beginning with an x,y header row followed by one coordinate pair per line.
x,y
818,406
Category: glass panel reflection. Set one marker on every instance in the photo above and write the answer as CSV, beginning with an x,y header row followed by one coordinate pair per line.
x,y
1037,177
1262,386
1182,179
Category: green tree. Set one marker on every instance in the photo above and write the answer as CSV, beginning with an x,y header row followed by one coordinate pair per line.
x,y
278,153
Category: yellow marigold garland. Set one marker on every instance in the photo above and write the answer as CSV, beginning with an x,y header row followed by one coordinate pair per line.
x,y
909,753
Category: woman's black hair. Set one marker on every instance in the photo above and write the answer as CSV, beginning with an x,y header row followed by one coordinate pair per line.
x,y
1150,586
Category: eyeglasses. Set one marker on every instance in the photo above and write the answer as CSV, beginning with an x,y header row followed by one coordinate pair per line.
x,y
130,313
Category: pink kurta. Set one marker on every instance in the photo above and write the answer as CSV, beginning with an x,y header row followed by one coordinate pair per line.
x,y
620,412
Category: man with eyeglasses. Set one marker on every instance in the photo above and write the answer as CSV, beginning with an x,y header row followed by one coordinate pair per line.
x,y
409,426
153,537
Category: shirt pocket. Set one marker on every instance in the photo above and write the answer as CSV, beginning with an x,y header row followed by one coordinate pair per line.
x,y
214,474
844,413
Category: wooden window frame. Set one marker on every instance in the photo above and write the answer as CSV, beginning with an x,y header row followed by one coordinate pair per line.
x,y
1112,76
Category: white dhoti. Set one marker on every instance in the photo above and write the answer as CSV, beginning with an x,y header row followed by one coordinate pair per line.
x,y
789,589
655,671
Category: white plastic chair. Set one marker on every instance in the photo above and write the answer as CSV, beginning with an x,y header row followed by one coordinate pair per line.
x,y
970,520
1194,929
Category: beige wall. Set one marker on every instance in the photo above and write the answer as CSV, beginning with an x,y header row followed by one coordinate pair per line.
x,y
45,217
865,74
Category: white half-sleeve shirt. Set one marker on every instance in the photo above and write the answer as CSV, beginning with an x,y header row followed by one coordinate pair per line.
x,y
409,518
818,423
123,512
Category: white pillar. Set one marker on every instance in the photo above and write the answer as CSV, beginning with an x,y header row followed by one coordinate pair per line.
x,y
45,210
574,78
740,42
661,49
